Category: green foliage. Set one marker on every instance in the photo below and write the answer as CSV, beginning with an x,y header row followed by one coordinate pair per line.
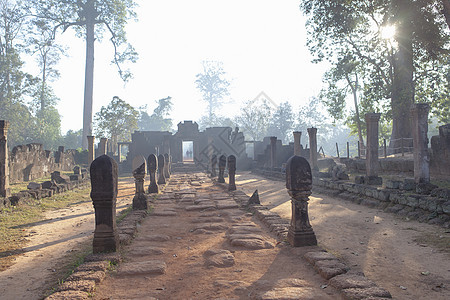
x,y
117,121
255,119
159,120
282,123
72,139
213,86
410,64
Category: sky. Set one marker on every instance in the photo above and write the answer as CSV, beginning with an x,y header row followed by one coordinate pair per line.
x,y
262,44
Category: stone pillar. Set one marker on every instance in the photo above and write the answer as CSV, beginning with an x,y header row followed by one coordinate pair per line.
x,y
213,166
139,199
299,185
222,164
103,193
297,144
372,120
138,161
419,114
166,165
161,165
4,159
91,149
312,133
170,164
103,146
152,167
119,152
273,151
231,173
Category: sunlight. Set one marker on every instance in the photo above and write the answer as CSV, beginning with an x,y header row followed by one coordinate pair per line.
x,y
388,32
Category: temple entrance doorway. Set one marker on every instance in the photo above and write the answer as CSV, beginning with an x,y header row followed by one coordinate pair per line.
x,y
188,151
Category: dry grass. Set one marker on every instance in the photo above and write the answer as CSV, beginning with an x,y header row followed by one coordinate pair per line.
x,y
13,221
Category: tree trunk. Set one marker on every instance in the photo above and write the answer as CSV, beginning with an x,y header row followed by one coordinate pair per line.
x,y
354,89
89,73
403,85
446,11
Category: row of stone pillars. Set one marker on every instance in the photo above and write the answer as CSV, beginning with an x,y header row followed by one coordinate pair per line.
x,y
229,162
104,181
419,118
312,133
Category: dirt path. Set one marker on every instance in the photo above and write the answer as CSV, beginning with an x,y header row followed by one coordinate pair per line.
x,y
381,245
197,244
63,232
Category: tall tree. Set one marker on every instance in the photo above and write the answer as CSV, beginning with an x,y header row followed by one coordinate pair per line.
x,y
159,120
116,121
91,18
213,86
14,83
282,122
254,119
420,38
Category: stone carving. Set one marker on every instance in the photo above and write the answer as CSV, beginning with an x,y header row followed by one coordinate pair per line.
x,y
104,193
299,184
231,173
138,161
152,167
140,200
161,164
213,165
419,114
254,199
167,165
222,165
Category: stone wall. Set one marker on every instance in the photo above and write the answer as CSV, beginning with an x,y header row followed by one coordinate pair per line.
x,y
31,161
385,165
440,152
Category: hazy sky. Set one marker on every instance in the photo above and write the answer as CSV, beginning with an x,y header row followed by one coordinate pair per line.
x,y
262,44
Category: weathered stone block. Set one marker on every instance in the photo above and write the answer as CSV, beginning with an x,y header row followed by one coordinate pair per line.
x,y
408,184
392,184
373,180
425,188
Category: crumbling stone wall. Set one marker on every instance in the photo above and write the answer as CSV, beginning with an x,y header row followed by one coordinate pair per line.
x,y
440,152
31,161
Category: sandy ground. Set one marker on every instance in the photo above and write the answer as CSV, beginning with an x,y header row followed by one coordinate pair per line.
x,y
242,273
379,244
50,242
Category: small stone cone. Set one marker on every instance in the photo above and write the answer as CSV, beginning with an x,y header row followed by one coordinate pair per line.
x,y
254,199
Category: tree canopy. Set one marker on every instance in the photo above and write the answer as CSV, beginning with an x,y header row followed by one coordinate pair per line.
x,y
213,86
91,20
398,49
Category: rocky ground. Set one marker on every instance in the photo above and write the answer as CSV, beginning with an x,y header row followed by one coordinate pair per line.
x,y
198,245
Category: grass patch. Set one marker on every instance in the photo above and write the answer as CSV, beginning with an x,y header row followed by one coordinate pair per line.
x,y
15,220
124,213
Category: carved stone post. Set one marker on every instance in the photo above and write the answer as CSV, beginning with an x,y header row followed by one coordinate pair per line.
x,y
222,164
419,113
297,144
103,146
161,164
273,151
152,167
312,133
170,164
91,149
299,184
372,149
231,173
166,165
119,152
213,166
4,160
139,199
103,193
